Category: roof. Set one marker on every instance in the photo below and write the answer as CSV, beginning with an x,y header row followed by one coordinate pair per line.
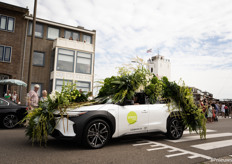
x,y
79,28
14,8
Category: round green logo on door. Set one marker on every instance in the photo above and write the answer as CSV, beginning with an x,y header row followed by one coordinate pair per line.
x,y
131,117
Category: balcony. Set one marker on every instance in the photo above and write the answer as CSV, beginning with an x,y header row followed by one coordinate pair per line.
x,y
73,44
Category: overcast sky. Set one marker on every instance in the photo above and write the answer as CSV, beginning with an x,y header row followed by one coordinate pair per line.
x,y
196,35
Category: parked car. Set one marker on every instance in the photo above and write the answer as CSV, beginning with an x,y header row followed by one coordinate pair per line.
x,y
95,125
11,113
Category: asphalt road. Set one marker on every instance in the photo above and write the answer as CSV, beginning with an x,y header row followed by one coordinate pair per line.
x,y
16,149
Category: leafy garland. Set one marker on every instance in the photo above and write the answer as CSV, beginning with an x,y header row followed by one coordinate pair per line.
x,y
41,121
179,97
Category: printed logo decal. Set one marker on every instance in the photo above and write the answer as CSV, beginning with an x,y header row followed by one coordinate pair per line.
x,y
131,117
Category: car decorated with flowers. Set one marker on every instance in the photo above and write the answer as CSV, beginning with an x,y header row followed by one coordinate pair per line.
x,y
95,125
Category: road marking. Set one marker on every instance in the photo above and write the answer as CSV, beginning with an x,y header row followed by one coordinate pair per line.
x,y
213,145
173,149
191,138
207,131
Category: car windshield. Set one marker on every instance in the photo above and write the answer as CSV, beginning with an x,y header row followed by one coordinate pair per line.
x,y
109,101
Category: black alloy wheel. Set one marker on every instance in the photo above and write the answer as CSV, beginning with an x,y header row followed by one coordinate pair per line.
x,y
175,129
97,134
9,121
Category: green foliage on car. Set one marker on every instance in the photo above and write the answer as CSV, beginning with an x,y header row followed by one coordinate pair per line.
x,y
178,97
41,121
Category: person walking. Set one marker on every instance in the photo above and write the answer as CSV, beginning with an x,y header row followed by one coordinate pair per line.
x,y
44,96
33,98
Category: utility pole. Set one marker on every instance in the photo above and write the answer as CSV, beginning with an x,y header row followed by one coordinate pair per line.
x,y
32,48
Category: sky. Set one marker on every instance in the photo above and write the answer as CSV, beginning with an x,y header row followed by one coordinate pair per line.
x,y
196,35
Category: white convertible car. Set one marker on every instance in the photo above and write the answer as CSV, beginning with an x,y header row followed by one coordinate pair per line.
x,y
95,125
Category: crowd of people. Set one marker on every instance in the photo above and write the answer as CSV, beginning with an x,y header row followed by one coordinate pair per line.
x,y
32,97
213,110
13,97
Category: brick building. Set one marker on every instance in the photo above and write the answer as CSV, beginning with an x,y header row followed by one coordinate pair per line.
x,y
61,53
12,34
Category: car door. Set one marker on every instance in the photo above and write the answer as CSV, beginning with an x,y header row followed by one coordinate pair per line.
x,y
133,119
158,114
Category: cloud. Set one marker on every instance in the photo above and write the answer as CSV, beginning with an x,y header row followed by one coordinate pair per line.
x,y
195,35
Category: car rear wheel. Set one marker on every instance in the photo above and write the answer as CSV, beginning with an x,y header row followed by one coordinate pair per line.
x,y
175,129
97,134
9,121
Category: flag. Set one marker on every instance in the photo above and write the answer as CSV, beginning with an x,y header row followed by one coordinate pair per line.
x,y
150,50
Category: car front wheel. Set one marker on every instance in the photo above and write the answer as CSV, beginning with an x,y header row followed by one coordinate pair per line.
x,y
175,129
97,134
9,121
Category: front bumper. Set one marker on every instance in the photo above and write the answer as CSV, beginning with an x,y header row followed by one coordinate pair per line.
x,y
64,128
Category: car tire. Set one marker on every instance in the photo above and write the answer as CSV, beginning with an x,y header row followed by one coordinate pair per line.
x,y
10,120
175,129
97,133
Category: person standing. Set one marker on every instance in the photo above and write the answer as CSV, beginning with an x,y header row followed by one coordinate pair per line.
x,y
7,95
44,96
33,98
223,110
210,112
14,97
226,111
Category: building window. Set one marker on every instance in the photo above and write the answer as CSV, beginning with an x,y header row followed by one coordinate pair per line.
x,y
83,86
5,53
10,25
59,84
74,35
38,30
53,33
65,60
38,58
151,69
40,88
83,63
7,23
3,22
87,39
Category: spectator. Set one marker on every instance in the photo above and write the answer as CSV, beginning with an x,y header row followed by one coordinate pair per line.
x,y
7,95
14,97
33,98
44,96
223,110
226,111
210,113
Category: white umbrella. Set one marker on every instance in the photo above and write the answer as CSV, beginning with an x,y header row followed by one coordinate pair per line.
x,y
13,82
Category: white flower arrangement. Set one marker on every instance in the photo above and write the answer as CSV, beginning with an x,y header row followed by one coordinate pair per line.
x,y
54,96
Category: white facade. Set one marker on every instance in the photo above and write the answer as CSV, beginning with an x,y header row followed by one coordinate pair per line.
x,y
159,66
73,62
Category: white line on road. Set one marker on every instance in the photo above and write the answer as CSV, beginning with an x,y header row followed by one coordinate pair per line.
x,y
207,131
191,138
213,145
173,149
